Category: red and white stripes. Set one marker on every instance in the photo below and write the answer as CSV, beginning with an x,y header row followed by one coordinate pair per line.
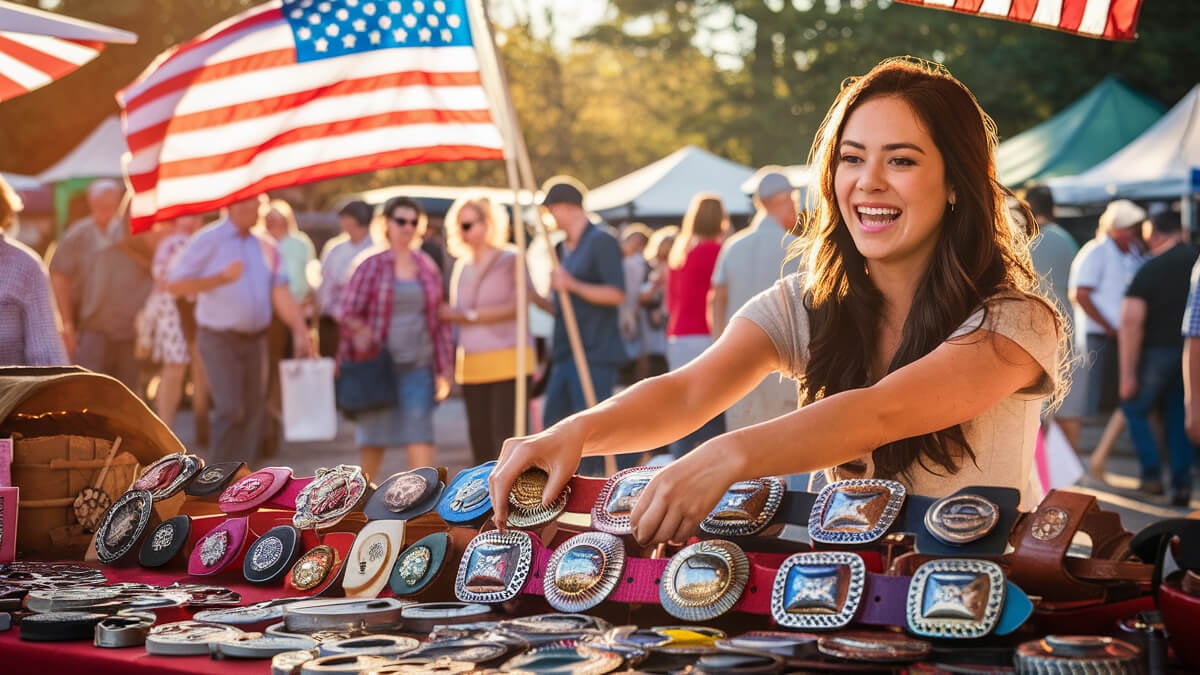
x,y
1108,19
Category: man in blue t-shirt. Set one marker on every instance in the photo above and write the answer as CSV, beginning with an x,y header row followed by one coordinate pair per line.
x,y
591,272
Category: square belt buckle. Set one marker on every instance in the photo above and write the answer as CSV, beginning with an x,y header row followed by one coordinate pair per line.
x,y
818,591
746,508
856,511
955,598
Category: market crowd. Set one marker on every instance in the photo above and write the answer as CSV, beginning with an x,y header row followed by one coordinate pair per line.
x,y
207,310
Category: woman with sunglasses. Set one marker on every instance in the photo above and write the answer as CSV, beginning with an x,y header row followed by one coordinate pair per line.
x,y
913,328
391,303
483,302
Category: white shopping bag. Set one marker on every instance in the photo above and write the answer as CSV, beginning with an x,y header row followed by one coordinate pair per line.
x,y
1055,463
309,411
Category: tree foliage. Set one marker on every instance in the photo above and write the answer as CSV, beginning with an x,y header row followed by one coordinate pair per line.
x,y
747,79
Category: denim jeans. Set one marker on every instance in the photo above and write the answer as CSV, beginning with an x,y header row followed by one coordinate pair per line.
x,y
1160,385
564,397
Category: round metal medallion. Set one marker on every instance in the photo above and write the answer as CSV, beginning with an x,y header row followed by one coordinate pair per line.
x,y
1049,523
961,519
564,656
312,567
414,564
405,492
123,525
525,500
494,567
1079,654
873,646
704,580
326,500
617,498
210,476
584,571
214,547
266,553
163,536
290,662
248,488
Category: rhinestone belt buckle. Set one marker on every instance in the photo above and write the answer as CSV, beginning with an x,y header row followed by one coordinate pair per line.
x,y
955,598
746,508
494,567
818,591
857,511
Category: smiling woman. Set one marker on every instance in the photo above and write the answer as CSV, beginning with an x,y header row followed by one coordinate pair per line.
x,y
921,351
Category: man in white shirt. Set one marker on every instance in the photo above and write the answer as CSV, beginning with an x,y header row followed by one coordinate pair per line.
x,y
1099,276
337,258
749,263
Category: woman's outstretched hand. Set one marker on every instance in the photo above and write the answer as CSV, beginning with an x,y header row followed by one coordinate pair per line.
x,y
683,493
556,451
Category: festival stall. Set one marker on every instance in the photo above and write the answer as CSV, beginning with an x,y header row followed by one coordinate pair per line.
x,y
343,572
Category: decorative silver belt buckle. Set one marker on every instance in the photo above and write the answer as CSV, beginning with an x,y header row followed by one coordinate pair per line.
x,y
583,571
856,511
704,580
818,591
961,519
333,494
955,598
525,500
746,508
494,567
617,498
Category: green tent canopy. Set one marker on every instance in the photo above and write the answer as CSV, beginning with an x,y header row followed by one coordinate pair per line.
x,y
1085,133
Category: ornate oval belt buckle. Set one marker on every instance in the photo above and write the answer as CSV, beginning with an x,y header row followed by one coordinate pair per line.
x,y
961,519
856,511
218,548
584,571
746,508
124,524
494,567
168,475
417,566
406,495
333,494
272,554
311,570
466,498
818,591
369,562
704,580
187,638
564,656
214,478
249,492
617,498
525,500
955,598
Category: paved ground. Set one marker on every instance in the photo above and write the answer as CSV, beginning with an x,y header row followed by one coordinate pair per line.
x,y
1118,492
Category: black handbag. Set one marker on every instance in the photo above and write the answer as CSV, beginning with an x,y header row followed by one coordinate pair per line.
x,y
366,385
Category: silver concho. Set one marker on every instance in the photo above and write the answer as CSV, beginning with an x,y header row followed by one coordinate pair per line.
x,y
210,476
955,598
494,567
163,536
123,524
584,571
214,547
267,552
405,492
961,519
818,591
525,500
414,564
746,508
1049,523
617,498
856,511
704,580
333,494
469,495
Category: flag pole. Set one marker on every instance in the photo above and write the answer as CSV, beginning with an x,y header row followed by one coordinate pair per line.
x,y
515,142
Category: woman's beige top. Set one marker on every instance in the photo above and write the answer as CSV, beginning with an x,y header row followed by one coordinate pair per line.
x,y
1003,438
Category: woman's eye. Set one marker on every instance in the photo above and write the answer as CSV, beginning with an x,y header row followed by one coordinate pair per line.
x,y
903,161
850,159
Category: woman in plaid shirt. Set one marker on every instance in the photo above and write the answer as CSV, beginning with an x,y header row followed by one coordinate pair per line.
x,y
391,302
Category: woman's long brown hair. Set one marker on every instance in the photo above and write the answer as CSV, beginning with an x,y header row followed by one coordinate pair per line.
x,y
979,253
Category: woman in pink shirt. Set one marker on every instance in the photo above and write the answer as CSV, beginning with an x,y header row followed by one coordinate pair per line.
x,y
692,260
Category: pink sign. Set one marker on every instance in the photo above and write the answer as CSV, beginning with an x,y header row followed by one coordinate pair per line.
x,y
6,458
8,524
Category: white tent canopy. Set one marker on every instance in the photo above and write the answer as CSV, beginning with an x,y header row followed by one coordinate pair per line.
x,y
19,19
1156,165
664,188
98,156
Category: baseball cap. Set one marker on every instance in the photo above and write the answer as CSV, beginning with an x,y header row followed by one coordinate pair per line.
x,y
563,190
1122,214
772,184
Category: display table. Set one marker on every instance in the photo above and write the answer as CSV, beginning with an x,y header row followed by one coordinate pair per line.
x,y
60,658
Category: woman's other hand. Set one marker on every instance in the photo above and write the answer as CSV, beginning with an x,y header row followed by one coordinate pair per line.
x,y
683,493
449,314
555,451
441,388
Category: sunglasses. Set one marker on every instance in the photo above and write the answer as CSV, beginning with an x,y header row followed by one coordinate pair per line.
x,y
403,221
466,226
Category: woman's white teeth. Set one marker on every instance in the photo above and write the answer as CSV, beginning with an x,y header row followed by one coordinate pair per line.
x,y
876,211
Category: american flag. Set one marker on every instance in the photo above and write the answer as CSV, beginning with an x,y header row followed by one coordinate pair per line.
x,y
30,61
1109,19
296,91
